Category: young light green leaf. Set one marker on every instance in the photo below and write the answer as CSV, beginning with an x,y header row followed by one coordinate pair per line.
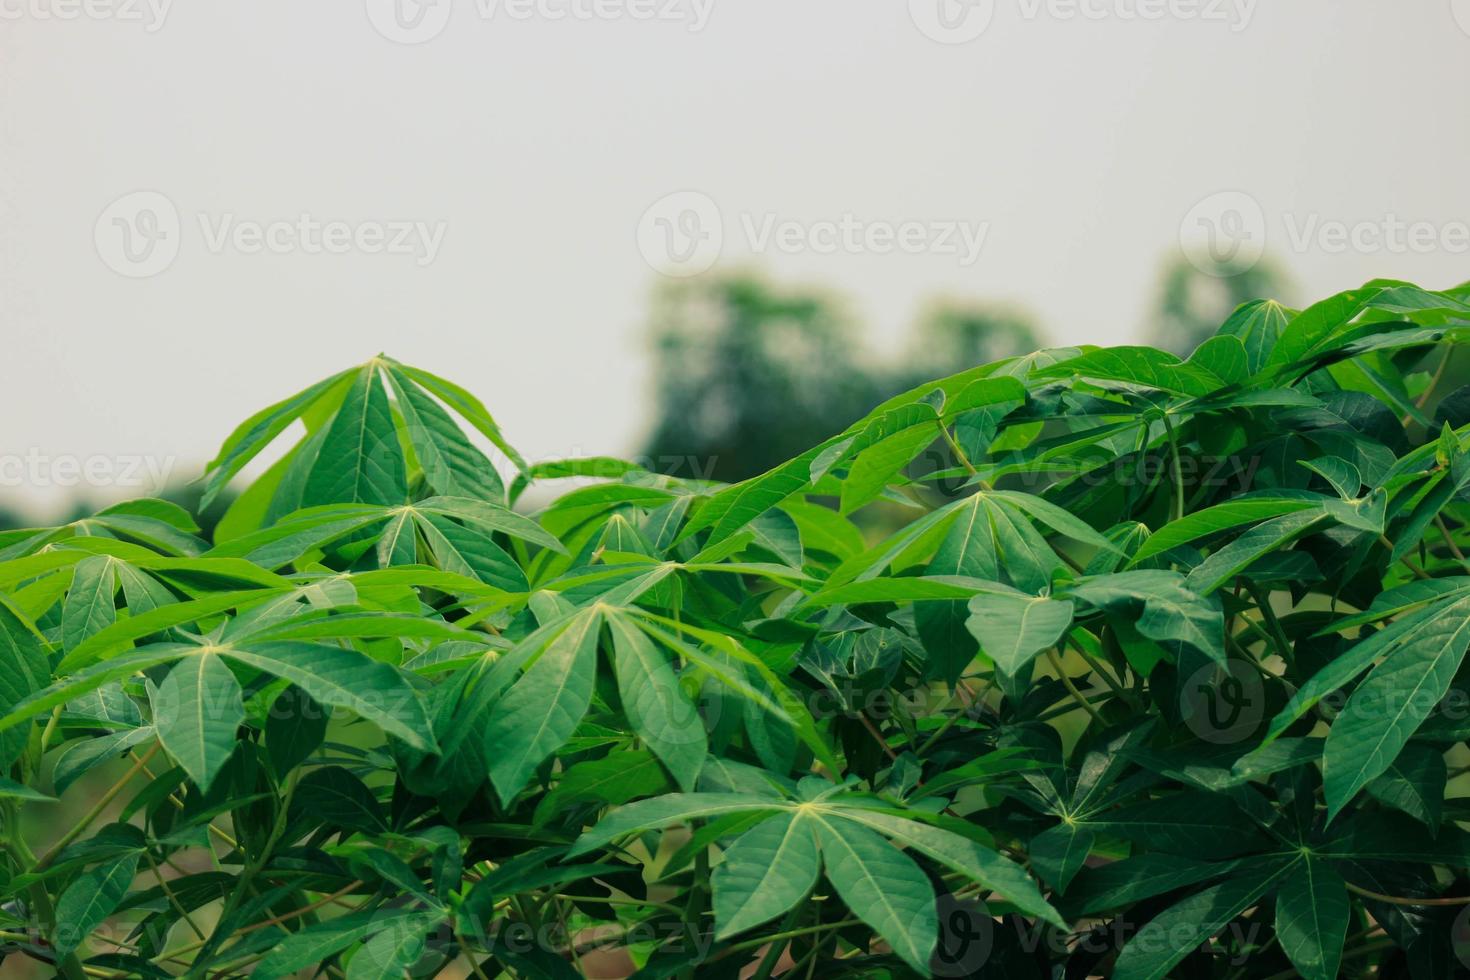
x,y
659,710
360,460
544,706
1013,629
90,606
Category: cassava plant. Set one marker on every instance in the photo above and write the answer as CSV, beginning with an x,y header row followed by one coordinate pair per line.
x,y
1158,671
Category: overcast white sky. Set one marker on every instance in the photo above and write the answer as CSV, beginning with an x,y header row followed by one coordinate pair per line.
x,y
523,149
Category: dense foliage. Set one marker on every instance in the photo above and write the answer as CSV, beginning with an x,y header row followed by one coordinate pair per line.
x,y
1163,676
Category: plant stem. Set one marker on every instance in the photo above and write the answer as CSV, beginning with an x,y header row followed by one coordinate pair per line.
x,y
1445,533
102,803
1396,900
773,954
1097,668
1408,562
1278,637
787,934
1177,468
959,453
1056,665
878,737
173,899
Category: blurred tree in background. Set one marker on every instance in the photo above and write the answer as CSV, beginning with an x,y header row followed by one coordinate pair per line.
x,y
748,374
953,335
1193,302
745,373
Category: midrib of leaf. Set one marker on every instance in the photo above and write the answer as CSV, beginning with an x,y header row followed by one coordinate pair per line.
x,y
1452,649
835,836
529,746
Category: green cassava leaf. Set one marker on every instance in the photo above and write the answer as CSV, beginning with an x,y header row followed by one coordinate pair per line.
x,y
1013,629
197,709
765,872
1312,913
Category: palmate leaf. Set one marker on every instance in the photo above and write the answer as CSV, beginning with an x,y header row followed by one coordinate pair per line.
x,y
1176,932
1013,629
767,871
315,944
1390,703
352,451
741,668
360,460
197,709
23,671
659,710
1258,325
346,679
539,712
979,864
91,898
89,604
883,887
121,635
1312,913
957,853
